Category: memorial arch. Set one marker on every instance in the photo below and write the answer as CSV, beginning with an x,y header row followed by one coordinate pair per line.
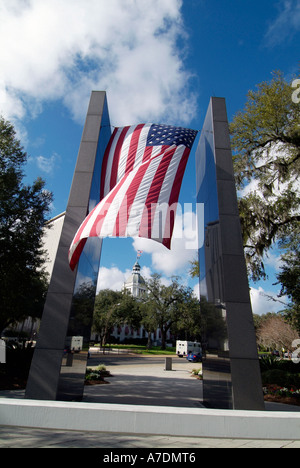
x,y
231,367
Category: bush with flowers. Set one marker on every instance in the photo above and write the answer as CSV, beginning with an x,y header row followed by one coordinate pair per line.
x,y
281,380
288,395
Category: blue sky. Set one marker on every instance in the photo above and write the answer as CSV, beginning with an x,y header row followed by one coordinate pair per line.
x,y
159,61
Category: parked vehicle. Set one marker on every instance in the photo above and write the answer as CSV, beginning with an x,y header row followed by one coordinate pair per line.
x,y
183,348
74,343
192,357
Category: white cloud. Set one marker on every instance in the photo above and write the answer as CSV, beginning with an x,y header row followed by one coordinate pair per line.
x,y
196,291
273,260
48,165
163,261
62,50
183,247
112,278
286,24
266,301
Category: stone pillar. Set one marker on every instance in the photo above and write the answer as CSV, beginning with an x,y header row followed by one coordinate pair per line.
x,y
231,372
67,288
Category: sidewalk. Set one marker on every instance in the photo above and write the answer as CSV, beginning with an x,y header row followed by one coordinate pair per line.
x,y
18,437
142,384
148,383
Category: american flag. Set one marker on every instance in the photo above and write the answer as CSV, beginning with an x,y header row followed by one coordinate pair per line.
x,y
141,176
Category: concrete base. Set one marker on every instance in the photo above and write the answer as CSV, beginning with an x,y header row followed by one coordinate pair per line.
x,y
150,420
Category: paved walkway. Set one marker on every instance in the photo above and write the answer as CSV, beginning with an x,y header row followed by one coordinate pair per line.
x,y
17,437
147,383
144,383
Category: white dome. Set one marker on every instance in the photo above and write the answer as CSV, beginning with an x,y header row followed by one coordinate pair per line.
x,y
136,283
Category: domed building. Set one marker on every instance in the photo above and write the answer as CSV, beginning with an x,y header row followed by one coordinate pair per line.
x,y
136,283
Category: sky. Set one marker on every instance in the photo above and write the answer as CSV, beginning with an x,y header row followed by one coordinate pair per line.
x,y
159,61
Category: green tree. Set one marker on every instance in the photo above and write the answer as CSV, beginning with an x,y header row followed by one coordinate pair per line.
x,y
189,324
194,269
82,310
23,212
166,305
113,309
105,313
149,318
266,145
289,277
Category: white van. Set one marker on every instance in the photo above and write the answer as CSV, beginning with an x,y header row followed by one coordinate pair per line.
x,y
74,343
183,348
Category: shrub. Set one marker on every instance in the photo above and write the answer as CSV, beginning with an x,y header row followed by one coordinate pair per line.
x,y
276,391
293,380
269,363
281,378
274,376
97,374
198,373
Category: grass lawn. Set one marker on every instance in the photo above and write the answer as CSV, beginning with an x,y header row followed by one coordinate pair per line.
x,y
138,349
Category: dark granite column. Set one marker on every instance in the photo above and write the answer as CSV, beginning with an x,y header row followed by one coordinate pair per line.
x,y
231,370
57,370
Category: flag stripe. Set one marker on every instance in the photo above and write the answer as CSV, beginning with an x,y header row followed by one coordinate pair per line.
x,y
153,195
125,209
104,164
147,154
75,253
124,153
110,161
97,222
141,176
106,228
170,218
142,146
133,148
116,158
161,214
134,221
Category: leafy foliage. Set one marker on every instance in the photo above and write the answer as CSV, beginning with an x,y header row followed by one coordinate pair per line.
x,y
23,211
289,277
266,144
114,308
172,307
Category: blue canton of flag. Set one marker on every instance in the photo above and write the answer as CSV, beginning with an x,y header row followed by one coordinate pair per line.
x,y
168,135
